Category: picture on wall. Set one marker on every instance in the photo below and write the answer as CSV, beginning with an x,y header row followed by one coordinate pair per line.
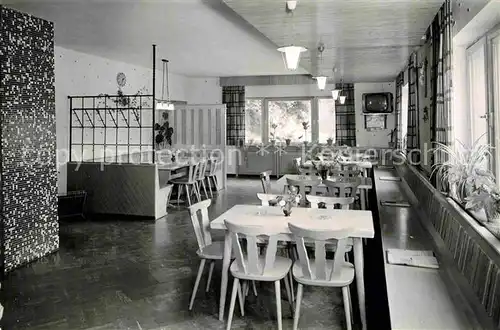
x,y
375,122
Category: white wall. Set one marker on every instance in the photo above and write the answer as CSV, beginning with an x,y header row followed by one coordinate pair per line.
x,y
83,74
366,138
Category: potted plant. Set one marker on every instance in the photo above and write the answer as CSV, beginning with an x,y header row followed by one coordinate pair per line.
x,y
287,202
273,133
288,140
305,125
464,169
329,141
486,199
393,135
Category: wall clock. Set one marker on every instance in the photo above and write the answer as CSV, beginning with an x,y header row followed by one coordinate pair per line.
x,y
121,79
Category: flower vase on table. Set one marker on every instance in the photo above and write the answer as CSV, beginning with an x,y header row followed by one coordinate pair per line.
x,y
289,201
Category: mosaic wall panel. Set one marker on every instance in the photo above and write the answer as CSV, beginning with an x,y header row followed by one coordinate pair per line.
x,y
28,138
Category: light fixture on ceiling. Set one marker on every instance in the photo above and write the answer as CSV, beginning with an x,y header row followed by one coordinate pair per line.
x,y
342,98
291,54
335,92
321,80
164,104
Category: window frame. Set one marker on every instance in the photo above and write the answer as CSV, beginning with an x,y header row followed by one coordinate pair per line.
x,y
493,94
262,115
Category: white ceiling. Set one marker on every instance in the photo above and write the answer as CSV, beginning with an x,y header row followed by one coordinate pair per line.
x,y
200,38
367,40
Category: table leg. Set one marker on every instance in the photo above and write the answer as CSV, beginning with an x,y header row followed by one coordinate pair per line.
x,y
363,198
225,273
360,281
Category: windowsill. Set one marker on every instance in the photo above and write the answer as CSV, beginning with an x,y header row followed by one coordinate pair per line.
x,y
474,224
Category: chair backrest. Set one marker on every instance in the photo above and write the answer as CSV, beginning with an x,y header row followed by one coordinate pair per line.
x,y
301,185
265,199
201,222
250,262
342,187
201,169
265,179
213,166
322,269
330,202
192,171
347,173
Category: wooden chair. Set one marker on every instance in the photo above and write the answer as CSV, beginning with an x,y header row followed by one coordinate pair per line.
x,y
187,182
265,179
207,249
320,271
330,202
308,185
342,188
347,173
213,168
201,176
250,265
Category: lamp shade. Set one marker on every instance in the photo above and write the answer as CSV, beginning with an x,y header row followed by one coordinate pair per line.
x,y
321,80
291,56
335,94
342,99
164,105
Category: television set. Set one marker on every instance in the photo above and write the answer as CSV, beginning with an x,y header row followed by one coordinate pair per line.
x,y
377,103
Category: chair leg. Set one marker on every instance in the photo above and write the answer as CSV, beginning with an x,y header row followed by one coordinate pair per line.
x,y
278,304
198,277
345,295
241,299
212,264
288,292
233,301
290,279
210,187
179,192
216,182
196,190
188,194
254,288
204,187
350,304
297,307
245,288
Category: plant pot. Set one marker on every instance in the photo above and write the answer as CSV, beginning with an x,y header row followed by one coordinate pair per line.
x,y
273,142
323,174
287,209
288,141
494,228
329,142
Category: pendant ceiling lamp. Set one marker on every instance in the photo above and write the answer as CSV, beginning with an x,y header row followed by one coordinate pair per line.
x,y
320,79
291,54
335,92
342,98
165,104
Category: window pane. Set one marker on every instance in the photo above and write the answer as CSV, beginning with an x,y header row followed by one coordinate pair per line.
x,y
288,117
477,94
326,122
253,121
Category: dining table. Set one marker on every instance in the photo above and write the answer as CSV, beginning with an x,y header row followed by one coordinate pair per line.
x,y
358,222
366,183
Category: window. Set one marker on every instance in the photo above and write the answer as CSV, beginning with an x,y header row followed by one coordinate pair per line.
x,y
476,79
286,118
253,121
326,122
495,50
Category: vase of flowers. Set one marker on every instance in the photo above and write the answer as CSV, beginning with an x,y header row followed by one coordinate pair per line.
x,y
290,200
329,142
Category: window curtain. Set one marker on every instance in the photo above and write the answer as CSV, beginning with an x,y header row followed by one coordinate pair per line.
x,y
345,117
441,80
399,95
234,99
412,139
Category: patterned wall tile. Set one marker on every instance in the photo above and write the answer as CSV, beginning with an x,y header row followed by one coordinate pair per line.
x,y
28,138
